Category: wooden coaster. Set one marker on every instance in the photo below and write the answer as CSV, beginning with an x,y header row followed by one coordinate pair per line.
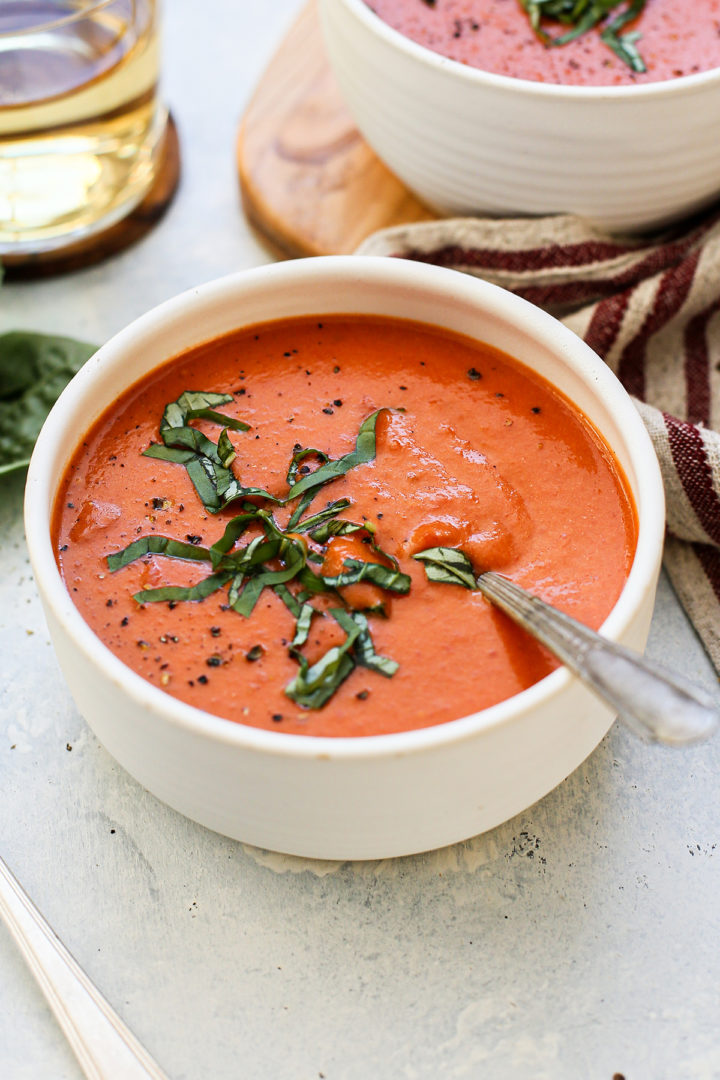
x,y
117,237
310,184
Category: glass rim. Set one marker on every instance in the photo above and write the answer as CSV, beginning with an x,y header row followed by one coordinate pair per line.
x,y
65,20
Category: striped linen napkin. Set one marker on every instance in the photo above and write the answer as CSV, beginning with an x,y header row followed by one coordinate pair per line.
x,y
650,307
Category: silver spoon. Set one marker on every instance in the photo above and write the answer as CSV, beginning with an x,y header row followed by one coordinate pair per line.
x,y
103,1045
656,704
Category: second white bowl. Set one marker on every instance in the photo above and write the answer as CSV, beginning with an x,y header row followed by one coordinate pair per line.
x,y
468,142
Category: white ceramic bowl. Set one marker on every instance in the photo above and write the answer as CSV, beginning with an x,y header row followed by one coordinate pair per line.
x,y
467,142
351,798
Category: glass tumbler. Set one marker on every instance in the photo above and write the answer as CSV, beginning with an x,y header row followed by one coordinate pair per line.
x,y
81,123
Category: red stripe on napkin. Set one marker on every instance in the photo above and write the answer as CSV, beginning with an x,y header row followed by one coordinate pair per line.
x,y
696,474
697,365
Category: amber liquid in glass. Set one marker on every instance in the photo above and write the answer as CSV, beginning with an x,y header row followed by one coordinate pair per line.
x,y
80,120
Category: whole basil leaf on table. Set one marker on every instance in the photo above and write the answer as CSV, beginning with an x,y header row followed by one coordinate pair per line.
x,y
34,369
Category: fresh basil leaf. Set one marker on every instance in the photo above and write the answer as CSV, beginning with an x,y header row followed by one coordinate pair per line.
x,y
225,449
207,464
302,626
300,508
311,582
363,646
245,603
383,554
331,511
34,370
218,418
270,525
343,527
203,474
313,686
233,531
624,47
229,489
588,20
249,564
448,566
257,552
294,558
216,485
631,12
336,527
293,605
188,438
365,447
203,588
356,571
584,15
177,413
235,588
299,456
156,545
167,453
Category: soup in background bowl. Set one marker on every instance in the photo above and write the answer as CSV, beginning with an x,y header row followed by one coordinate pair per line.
x,y
285,774
531,136
664,40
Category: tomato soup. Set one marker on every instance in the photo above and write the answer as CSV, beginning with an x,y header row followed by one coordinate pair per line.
x,y
242,527
676,37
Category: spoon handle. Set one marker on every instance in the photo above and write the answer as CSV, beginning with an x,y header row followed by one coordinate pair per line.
x,y
103,1045
656,704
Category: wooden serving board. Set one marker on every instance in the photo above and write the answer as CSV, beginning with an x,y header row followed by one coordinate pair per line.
x,y
309,182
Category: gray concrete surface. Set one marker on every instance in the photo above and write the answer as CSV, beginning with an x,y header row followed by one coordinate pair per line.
x,y
575,942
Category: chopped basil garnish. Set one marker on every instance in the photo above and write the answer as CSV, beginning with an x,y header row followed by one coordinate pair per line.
x,y
203,588
310,523
302,625
274,557
207,463
363,646
156,545
233,531
244,603
188,438
299,456
624,47
356,571
448,566
195,405
313,686
584,15
167,453
312,583
293,605
363,453
322,532
225,449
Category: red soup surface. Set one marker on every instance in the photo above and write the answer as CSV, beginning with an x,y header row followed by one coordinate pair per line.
x,y
378,439
677,37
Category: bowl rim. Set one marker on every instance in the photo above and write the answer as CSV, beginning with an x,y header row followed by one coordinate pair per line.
x,y
661,88
42,483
